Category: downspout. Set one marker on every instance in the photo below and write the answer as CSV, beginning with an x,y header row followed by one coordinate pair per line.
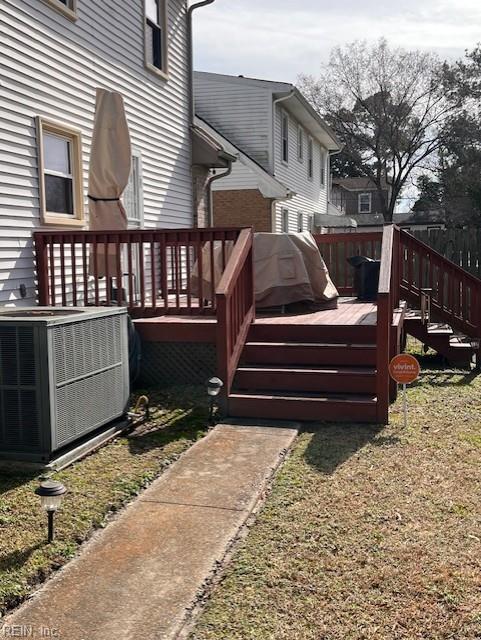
x,y
273,156
190,55
208,186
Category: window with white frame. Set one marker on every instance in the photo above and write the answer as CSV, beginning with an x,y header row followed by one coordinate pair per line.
x,y
300,143
285,220
284,137
67,7
323,167
364,202
156,36
133,195
300,221
60,173
310,158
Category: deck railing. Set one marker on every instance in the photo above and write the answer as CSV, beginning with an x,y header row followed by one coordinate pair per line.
x,y
455,294
152,272
336,248
387,302
235,307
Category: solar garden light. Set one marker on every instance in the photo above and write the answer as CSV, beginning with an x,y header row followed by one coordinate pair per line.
x,y
213,389
51,495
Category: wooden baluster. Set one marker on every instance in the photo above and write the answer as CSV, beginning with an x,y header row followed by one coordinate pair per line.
x,y
62,271
108,284
177,273
73,259
200,269
130,268
189,273
141,271
95,247
118,272
153,274
85,270
163,272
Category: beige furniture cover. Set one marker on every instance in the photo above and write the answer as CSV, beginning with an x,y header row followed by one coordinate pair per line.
x,y
109,170
288,267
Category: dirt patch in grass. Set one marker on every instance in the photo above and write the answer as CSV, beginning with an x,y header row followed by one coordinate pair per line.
x,y
98,486
369,533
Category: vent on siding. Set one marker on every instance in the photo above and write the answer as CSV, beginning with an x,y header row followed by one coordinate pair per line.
x,y
19,423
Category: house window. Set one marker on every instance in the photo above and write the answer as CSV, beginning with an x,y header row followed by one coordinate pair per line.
x,y
285,220
60,173
284,137
364,203
133,195
156,36
310,161
67,7
300,221
323,167
300,144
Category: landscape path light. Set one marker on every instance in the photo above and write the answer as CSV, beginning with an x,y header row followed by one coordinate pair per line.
x,y
51,494
213,389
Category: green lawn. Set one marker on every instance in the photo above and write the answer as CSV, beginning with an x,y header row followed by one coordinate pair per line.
x,y
368,533
98,486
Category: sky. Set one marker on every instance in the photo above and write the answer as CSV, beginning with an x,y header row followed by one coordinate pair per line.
x,y
279,39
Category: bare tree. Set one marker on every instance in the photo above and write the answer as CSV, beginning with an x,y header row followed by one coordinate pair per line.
x,y
387,106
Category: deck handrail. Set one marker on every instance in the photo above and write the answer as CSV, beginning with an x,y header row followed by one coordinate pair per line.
x,y
455,294
152,272
387,301
235,307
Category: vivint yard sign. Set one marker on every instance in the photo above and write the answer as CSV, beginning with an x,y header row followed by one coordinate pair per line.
x,y
404,369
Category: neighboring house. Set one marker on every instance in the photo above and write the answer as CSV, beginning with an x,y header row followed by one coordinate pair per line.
x,y
280,136
358,198
55,53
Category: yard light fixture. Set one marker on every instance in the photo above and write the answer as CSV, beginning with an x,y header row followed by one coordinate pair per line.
x,y
51,495
213,389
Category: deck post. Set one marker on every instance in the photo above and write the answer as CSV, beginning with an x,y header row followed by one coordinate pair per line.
x,y
41,260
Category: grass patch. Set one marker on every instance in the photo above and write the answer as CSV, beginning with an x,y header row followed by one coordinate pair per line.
x,y
98,485
369,533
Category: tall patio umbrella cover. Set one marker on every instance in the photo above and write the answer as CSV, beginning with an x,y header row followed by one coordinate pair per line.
x,y
109,171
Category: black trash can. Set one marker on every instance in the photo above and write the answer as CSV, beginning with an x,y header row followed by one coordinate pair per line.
x,y
366,276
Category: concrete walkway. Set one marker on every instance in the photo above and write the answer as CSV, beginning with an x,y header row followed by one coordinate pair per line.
x,y
140,577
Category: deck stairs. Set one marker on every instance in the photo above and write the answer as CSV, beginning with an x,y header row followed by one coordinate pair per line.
x,y
441,337
307,372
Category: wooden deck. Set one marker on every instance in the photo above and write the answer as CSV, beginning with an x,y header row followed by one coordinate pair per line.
x,y
171,328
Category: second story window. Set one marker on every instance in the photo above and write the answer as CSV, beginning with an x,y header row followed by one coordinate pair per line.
x,y
285,220
300,144
323,167
310,159
300,221
364,203
156,36
284,137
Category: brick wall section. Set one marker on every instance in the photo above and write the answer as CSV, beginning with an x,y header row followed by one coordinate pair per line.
x,y
242,208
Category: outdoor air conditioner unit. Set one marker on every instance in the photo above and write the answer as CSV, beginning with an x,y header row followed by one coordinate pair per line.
x,y
63,375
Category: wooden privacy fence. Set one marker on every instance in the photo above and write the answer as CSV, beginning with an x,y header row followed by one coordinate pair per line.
x,y
336,248
461,246
152,272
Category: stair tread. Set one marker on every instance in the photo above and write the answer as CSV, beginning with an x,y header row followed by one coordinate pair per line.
x,y
336,345
308,368
314,397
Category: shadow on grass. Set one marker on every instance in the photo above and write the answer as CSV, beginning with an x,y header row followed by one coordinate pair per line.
x,y
17,558
13,476
159,432
333,444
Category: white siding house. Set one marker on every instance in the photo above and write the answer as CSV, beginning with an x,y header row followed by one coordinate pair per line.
x,y
53,59
273,124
